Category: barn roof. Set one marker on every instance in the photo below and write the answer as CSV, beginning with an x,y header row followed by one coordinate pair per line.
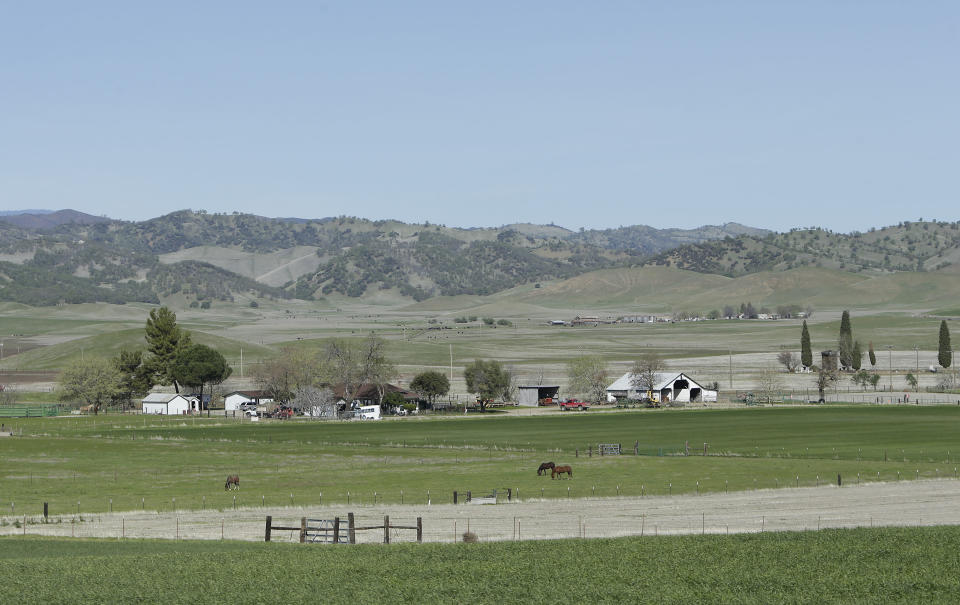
x,y
663,380
160,397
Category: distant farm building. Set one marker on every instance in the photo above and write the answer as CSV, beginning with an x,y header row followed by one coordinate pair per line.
x,y
668,387
586,320
367,394
168,404
534,395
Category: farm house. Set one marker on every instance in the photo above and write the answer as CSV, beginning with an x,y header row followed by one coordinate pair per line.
x,y
168,404
532,395
233,401
669,387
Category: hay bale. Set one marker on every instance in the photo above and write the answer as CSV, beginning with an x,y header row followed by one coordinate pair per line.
x,y
470,537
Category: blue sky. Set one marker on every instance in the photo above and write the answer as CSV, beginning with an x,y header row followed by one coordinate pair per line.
x,y
840,114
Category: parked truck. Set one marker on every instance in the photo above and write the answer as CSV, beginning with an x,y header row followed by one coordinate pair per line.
x,y
572,404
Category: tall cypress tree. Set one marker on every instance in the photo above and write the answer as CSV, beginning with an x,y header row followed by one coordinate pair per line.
x,y
806,354
846,341
857,359
945,355
873,356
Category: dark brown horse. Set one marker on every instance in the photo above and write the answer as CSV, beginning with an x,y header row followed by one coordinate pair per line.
x,y
546,466
559,470
233,481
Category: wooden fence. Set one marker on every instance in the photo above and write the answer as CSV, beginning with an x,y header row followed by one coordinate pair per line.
x,y
324,530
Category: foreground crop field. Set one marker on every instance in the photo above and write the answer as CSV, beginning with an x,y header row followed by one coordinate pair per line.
x,y
89,465
834,566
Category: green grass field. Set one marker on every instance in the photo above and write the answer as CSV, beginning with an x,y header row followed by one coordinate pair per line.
x,y
132,462
918,565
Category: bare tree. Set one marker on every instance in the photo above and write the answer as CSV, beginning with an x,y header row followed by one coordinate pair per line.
x,y
588,376
314,401
645,370
768,384
8,395
788,360
376,368
281,376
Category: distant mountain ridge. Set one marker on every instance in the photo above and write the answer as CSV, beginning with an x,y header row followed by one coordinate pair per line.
x,y
199,257
45,219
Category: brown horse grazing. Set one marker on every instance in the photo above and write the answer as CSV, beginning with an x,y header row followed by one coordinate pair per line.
x,y
546,466
559,470
233,481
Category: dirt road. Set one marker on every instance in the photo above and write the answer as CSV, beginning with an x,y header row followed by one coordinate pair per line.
x,y
878,504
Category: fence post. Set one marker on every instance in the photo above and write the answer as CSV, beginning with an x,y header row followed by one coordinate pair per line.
x,y
454,496
303,530
419,529
336,530
386,529
266,532
351,529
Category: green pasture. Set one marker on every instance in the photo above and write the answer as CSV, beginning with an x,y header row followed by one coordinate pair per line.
x,y
155,463
917,565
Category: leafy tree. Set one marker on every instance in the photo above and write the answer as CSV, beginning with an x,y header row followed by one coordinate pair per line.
x,y
645,369
135,377
488,379
93,380
845,344
944,354
430,385
911,380
198,365
165,341
393,399
825,377
806,353
768,384
872,355
588,376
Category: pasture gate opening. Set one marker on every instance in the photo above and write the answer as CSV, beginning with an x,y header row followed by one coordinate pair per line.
x,y
330,531
608,449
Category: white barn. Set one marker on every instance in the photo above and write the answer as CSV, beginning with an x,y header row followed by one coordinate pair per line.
x,y
669,387
170,404
232,401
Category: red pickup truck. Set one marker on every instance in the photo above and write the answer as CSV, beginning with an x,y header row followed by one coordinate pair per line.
x,y
571,404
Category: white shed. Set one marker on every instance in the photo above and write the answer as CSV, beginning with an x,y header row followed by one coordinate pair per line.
x,y
668,387
165,403
232,401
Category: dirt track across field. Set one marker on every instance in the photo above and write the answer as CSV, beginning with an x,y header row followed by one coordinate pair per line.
x,y
904,503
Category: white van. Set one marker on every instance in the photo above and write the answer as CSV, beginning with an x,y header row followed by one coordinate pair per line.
x,y
369,412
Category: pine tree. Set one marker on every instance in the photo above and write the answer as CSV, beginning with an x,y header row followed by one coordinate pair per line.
x,y
945,355
165,340
845,344
806,354
873,356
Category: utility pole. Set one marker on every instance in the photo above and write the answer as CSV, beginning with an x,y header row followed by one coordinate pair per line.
x,y
730,354
916,349
890,361
451,364
241,362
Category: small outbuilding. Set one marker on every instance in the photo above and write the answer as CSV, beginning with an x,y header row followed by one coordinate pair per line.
x,y
233,401
668,386
168,404
534,395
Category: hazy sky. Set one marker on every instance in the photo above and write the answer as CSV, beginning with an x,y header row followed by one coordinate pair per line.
x,y
842,114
